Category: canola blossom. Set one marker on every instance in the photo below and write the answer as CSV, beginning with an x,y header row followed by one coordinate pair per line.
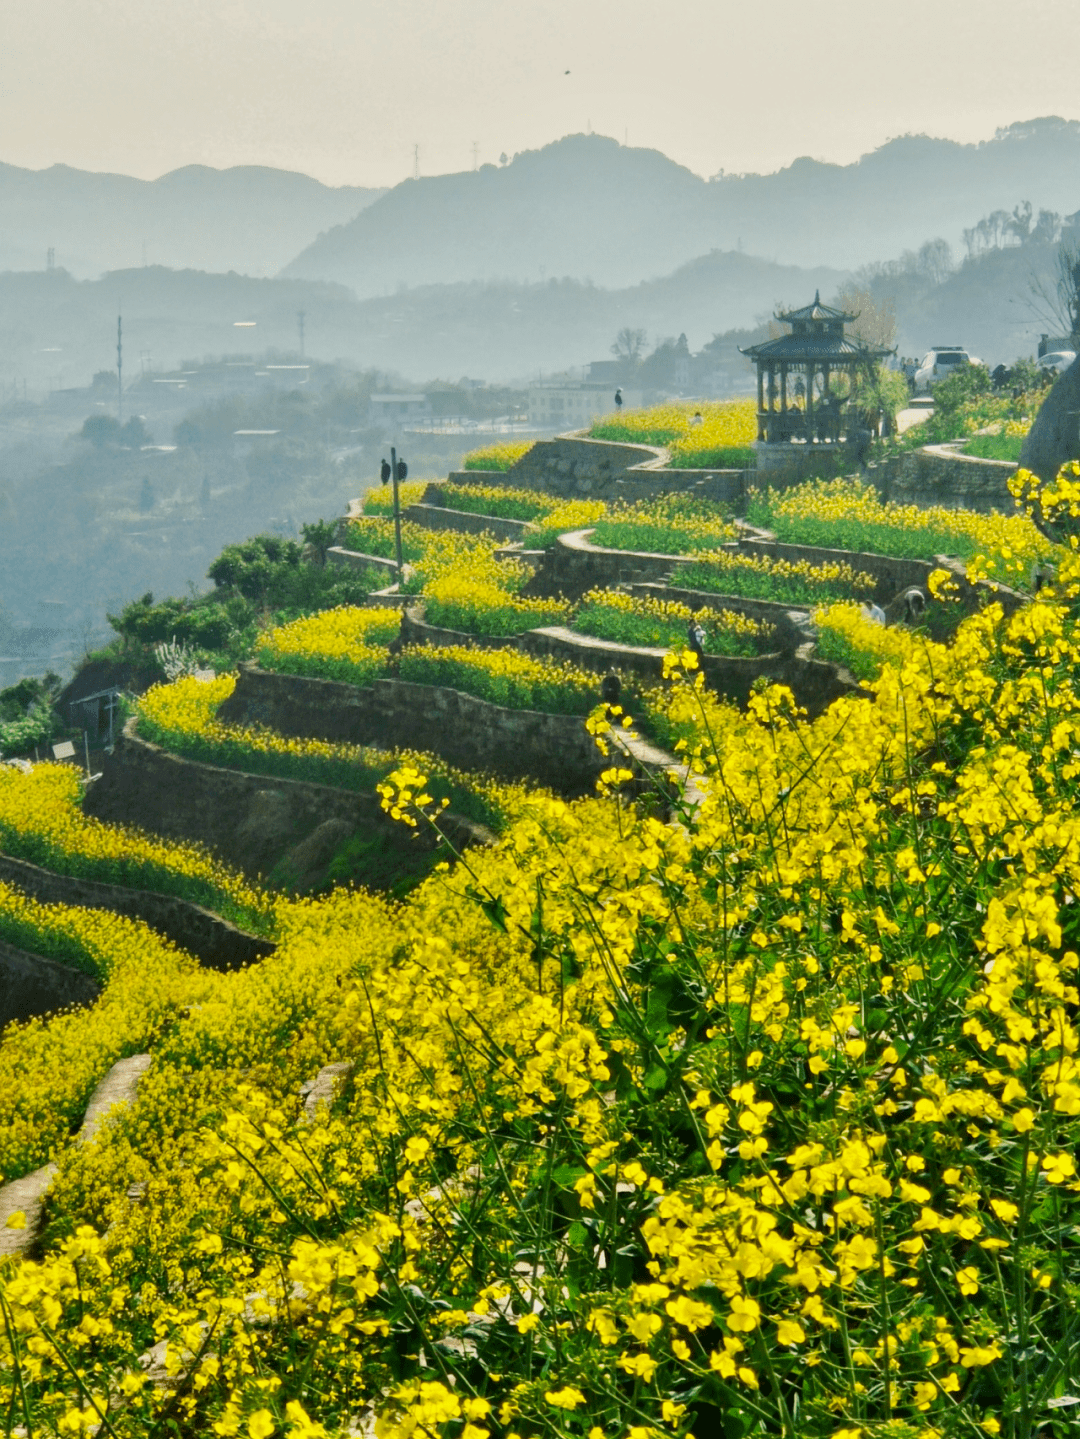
x,y
50,1066
379,500
846,635
41,820
482,607
670,525
499,456
346,643
498,500
564,517
747,1105
848,514
503,677
183,717
698,434
765,578
626,619
598,1052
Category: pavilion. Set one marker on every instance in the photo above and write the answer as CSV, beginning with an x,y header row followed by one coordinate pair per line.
x,y
789,367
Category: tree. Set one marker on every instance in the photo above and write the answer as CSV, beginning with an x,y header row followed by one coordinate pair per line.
x,y
101,430
629,344
1056,298
935,261
1047,229
320,535
875,320
1019,223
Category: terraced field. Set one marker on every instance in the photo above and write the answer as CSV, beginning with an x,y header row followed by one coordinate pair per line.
x,y
617,980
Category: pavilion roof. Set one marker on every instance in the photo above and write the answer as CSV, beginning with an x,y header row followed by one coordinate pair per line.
x,y
819,345
816,311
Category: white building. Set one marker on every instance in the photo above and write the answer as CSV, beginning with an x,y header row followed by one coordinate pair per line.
x,y
388,410
574,405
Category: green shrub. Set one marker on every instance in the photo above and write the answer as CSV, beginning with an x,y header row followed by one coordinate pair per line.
x,y
996,447
724,457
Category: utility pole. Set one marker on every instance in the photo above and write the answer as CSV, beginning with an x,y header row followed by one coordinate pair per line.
x,y
300,326
416,162
475,148
119,368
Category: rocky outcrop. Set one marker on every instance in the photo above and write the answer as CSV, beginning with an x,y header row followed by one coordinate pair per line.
x,y
1054,438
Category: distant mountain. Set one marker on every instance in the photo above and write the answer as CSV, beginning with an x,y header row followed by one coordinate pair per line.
x,y
504,330
591,209
250,219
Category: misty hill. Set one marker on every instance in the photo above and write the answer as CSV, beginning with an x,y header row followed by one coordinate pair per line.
x,y
989,305
507,329
590,208
56,331
249,218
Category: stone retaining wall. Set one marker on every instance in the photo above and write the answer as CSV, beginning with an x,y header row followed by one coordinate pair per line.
x,y
31,985
415,630
555,750
258,822
216,942
892,574
941,475
353,559
815,683
574,466
439,517
574,566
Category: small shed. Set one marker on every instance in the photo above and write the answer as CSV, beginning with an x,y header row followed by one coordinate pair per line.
x,y
796,401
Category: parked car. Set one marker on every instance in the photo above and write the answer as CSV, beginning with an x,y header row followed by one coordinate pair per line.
x,y
1056,360
938,364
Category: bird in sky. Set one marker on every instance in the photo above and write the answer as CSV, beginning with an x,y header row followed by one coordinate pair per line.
x,y
566,72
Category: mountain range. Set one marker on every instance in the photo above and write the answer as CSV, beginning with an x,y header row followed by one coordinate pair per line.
x,y
591,209
250,218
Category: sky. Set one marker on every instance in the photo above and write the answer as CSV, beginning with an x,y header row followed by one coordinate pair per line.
x,y
344,89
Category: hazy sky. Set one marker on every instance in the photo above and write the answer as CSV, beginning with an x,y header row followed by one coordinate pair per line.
x,y
342,89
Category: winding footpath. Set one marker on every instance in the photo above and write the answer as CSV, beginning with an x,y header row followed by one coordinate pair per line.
x,y
26,1196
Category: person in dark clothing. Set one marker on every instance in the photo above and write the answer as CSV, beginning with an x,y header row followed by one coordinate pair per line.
x,y
695,640
611,688
618,399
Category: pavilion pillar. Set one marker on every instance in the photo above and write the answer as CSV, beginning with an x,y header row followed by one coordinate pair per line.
x,y
761,400
783,386
810,368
